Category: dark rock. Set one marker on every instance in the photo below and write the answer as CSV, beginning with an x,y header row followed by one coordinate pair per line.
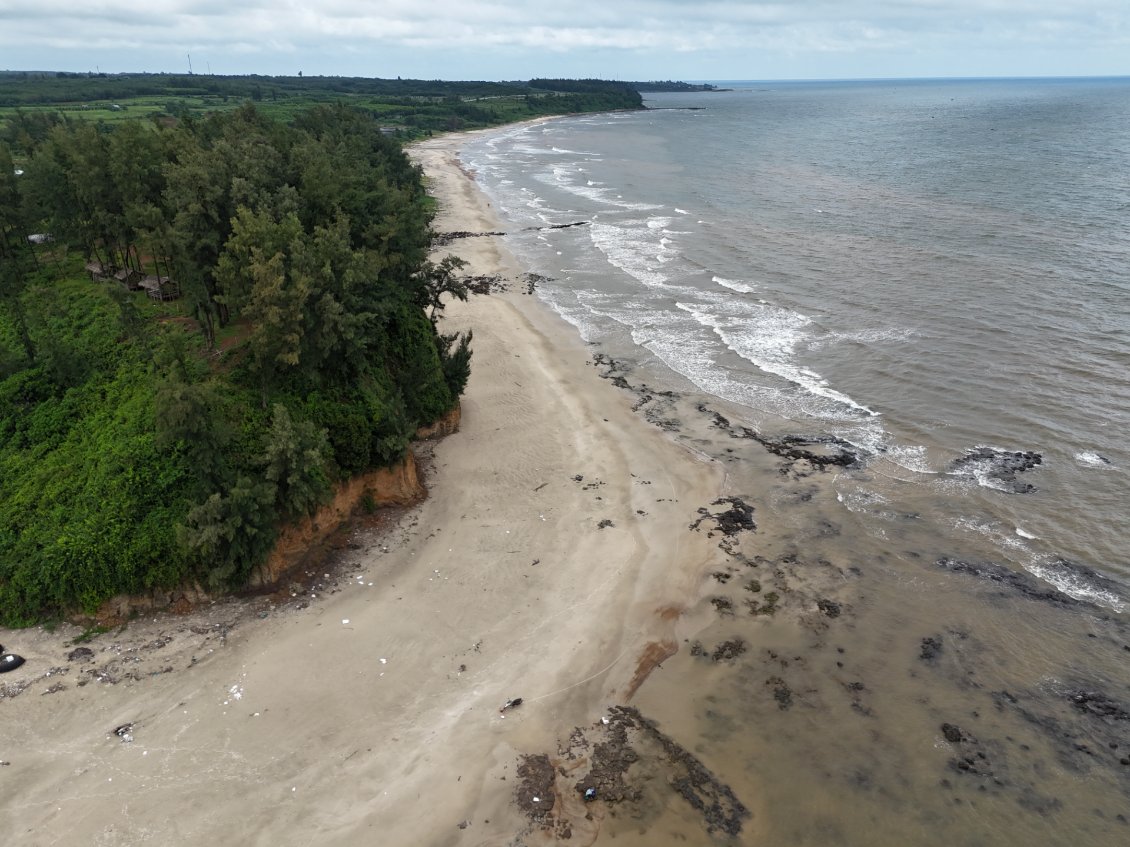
x,y
952,733
1001,466
610,760
781,693
768,607
80,654
440,239
931,648
533,280
1016,581
1073,572
721,810
723,605
829,607
485,284
738,518
819,451
536,777
554,226
1097,704
727,651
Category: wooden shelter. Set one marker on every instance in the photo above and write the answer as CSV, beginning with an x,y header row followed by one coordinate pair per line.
x,y
160,288
130,278
97,272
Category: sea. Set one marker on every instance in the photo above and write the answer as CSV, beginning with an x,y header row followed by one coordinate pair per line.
x,y
898,313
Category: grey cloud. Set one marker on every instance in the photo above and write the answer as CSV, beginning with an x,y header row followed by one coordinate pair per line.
x,y
643,27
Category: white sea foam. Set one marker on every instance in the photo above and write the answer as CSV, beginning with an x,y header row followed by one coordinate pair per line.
x,y
631,249
862,500
909,457
562,151
862,336
1023,533
1075,584
1094,460
994,531
734,285
768,337
591,190
984,473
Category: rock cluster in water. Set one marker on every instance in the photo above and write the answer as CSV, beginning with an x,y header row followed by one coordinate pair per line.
x,y
1001,466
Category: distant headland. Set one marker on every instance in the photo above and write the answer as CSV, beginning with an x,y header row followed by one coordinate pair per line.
x,y
669,85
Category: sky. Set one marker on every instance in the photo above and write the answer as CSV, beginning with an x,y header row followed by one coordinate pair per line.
x,y
611,39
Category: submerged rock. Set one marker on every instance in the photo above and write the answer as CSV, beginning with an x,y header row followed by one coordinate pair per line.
x,y
931,648
998,466
1015,581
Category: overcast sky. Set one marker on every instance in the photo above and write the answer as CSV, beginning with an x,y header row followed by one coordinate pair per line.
x,y
622,39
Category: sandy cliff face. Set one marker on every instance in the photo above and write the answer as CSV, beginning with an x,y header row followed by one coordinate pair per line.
x,y
398,485
443,427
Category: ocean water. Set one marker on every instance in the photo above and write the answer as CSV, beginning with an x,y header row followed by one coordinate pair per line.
x,y
934,276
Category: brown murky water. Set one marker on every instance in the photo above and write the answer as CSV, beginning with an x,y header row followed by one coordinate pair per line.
x,y
881,697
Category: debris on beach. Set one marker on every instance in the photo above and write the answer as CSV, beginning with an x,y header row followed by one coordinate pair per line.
x,y
124,732
511,704
10,661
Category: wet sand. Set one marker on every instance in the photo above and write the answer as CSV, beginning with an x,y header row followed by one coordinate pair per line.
x,y
552,561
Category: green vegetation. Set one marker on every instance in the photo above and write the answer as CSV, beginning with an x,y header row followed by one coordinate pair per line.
x,y
145,442
671,85
31,102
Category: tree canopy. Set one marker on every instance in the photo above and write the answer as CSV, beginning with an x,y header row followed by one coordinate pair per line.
x,y
144,443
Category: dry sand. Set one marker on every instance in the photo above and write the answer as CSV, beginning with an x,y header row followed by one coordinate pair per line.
x,y
366,711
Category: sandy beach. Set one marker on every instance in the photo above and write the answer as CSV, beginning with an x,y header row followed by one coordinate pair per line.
x,y
550,562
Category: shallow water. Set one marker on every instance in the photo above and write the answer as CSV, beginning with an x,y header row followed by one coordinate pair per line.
x,y
918,270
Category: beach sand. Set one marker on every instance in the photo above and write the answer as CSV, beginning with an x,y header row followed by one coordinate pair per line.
x,y
366,709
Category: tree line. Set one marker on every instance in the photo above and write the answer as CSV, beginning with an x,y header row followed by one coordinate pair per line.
x,y
144,444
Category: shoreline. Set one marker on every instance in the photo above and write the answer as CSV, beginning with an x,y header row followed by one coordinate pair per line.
x,y
551,561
